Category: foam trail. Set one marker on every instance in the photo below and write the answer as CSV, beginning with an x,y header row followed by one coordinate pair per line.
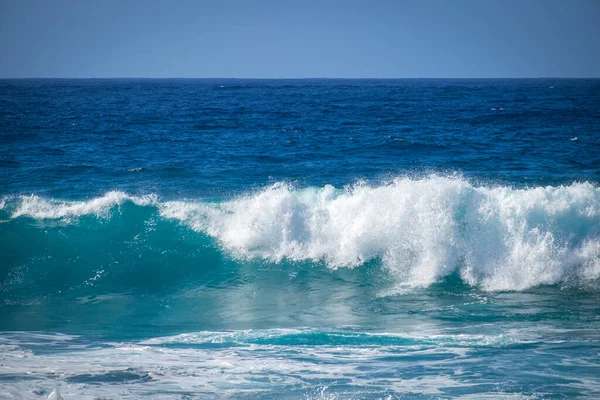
x,y
500,238
280,337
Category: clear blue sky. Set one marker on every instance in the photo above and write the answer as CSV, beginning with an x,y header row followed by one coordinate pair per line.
x,y
301,38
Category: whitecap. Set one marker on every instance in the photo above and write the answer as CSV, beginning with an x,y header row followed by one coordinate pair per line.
x,y
499,238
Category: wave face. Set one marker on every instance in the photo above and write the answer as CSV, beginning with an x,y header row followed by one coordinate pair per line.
x,y
419,230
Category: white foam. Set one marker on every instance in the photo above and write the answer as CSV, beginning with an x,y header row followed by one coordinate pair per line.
x,y
363,340
55,395
40,208
168,372
87,370
497,237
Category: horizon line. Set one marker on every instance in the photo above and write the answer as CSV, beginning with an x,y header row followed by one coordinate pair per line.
x,y
292,78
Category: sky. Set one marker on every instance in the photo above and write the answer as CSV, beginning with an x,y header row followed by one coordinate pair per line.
x,y
299,39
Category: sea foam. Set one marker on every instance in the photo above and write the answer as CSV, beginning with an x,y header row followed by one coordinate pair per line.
x,y
421,229
39,208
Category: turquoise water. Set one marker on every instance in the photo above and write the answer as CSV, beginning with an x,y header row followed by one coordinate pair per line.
x,y
321,239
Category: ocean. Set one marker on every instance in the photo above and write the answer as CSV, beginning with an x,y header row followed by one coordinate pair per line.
x,y
300,239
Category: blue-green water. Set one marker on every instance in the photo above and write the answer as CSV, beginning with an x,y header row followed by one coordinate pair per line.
x,y
321,239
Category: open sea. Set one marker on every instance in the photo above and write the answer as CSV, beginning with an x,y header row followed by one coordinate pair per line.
x,y
299,239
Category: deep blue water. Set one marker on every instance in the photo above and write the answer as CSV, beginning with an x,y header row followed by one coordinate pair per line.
x,y
302,239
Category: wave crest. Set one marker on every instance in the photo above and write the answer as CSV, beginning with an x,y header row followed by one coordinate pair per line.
x,y
422,230
36,207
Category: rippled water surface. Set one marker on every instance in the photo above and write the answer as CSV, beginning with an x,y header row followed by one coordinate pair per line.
x,y
303,239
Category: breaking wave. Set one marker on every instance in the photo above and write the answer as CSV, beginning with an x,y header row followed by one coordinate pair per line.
x,y
420,230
